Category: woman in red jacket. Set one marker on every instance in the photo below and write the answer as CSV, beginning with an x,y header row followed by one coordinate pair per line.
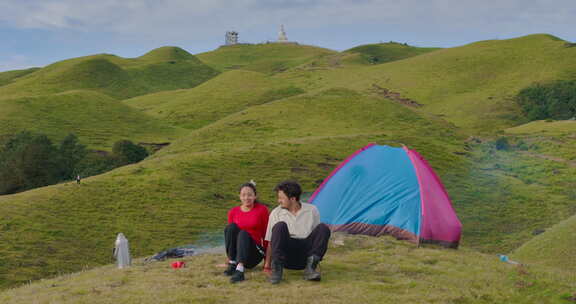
x,y
244,234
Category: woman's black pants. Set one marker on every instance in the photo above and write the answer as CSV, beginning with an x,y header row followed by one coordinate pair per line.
x,y
240,246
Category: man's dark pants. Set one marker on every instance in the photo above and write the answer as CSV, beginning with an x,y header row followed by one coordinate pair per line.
x,y
291,252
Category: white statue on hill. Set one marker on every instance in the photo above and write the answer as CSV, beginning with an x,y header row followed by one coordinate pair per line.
x,y
282,35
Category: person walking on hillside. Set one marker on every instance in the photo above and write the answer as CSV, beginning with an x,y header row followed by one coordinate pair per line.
x,y
244,234
297,238
78,179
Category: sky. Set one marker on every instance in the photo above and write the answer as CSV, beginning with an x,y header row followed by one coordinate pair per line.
x,y
40,32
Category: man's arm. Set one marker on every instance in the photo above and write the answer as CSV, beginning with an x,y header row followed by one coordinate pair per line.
x,y
268,239
268,259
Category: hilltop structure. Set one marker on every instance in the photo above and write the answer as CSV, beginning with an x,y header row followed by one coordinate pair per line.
x,y
282,38
231,38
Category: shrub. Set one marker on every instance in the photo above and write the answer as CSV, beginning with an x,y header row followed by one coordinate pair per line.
x,y
28,161
555,100
128,152
502,144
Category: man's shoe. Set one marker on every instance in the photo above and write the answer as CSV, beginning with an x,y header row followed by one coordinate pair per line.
x,y
277,269
238,276
310,273
230,269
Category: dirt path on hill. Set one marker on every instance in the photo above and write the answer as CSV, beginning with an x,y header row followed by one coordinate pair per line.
x,y
571,164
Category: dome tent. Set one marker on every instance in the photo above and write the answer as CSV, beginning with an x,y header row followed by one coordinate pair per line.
x,y
387,190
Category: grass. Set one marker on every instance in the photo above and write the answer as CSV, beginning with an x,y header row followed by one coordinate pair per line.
x,y
288,111
114,76
267,58
10,76
364,269
215,99
558,128
98,120
185,189
508,194
385,52
470,86
553,248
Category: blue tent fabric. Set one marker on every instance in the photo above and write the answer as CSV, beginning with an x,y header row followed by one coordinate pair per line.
x,y
377,191
391,181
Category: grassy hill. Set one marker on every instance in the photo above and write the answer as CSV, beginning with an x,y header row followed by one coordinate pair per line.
x,y
363,269
98,120
267,58
559,128
185,189
379,53
10,76
217,98
554,248
162,69
470,86
285,111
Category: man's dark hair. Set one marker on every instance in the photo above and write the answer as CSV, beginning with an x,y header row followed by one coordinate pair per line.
x,y
290,188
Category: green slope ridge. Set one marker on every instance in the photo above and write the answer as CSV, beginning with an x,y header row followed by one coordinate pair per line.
x,y
554,248
9,76
362,270
265,58
379,53
98,120
115,76
168,53
471,86
225,94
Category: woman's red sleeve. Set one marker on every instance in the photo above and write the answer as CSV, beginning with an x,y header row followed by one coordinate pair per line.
x,y
231,216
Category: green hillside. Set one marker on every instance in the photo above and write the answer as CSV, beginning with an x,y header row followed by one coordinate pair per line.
x,y
559,128
362,270
162,69
279,111
379,53
554,248
98,120
223,95
472,86
186,188
265,58
10,76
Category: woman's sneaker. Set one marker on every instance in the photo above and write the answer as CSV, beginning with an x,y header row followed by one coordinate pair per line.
x,y
238,276
230,270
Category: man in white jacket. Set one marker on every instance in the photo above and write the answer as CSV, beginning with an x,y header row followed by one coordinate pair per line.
x,y
297,238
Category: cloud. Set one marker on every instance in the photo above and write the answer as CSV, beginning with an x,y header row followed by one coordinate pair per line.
x,y
200,19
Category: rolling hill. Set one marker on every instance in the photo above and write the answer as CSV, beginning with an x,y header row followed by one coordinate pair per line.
x,y
217,98
385,52
554,248
471,86
10,76
166,68
97,119
266,58
363,269
278,111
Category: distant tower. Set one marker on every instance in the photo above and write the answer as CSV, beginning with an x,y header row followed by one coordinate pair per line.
x,y
231,38
282,35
